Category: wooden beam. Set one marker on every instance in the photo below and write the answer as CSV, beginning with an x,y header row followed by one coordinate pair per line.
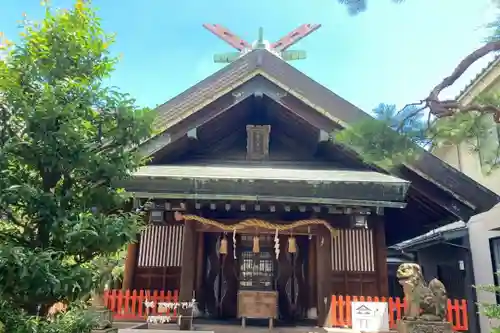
x,y
211,111
323,136
295,105
312,274
130,263
187,273
199,262
323,243
380,254
192,133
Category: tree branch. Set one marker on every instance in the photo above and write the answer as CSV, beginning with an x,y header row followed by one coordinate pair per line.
x,y
449,107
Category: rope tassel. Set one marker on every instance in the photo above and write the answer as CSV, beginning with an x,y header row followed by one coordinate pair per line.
x,y
256,245
223,246
292,245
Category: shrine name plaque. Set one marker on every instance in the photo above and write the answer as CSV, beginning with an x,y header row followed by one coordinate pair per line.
x,y
257,304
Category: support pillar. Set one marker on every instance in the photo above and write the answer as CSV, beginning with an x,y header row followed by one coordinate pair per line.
x,y
199,273
312,275
130,263
470,291
324,269
381,255
187,273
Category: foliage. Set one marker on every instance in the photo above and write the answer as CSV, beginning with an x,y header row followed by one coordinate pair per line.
x,y
476,130
75,320
108,269
358,6
403,121
490,310
387,140
494,28
393,137
65,141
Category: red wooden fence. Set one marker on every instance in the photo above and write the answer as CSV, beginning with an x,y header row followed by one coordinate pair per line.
x,y
129,305
340,314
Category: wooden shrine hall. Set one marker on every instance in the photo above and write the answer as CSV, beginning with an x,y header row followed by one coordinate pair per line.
x,y
250,201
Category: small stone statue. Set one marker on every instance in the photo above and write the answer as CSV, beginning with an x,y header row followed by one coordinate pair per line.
x,y
426,304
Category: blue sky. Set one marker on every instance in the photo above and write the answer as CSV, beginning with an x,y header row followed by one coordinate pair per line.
x,y
391,53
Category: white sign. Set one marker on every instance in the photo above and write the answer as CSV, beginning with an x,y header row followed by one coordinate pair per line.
x,y
370,316
165,307
169,305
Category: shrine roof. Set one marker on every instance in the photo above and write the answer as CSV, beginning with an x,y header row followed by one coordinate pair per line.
x,y
460,195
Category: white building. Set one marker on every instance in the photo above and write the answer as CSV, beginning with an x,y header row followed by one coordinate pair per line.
x,y
483,230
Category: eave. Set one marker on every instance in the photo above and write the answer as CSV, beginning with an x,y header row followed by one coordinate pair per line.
x,y
480,82
445,233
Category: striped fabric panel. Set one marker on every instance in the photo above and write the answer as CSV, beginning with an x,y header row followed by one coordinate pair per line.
x,y
353,251
161,246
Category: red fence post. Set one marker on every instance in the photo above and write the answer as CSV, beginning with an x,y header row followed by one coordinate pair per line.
x,y
333,312
176,299
340,314
342,322
140,303
348,314
465,317
133,308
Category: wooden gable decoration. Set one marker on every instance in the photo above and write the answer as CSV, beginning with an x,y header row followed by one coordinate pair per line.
x,y
258,142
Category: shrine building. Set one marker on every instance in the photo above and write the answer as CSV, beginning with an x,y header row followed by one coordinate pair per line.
x,y
249,194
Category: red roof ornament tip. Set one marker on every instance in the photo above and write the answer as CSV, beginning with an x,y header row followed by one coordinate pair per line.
x,y
278,48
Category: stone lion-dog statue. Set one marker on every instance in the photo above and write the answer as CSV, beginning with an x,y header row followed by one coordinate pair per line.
x,y
424,302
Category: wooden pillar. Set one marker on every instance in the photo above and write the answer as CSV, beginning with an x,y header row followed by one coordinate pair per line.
x,y
187,273
381,255
199,273
323,243
311,274
130,263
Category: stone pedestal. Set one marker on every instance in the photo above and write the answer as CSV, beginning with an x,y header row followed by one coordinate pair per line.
x,y
105,318
105,330
423,326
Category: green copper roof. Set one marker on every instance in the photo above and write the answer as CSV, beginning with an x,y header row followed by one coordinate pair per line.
x,y
262,173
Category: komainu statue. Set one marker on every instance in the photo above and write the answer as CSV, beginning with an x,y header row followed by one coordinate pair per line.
x,y
424,302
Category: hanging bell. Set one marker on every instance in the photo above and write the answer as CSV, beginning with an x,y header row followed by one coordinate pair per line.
x,y
223,246
256,245
292,245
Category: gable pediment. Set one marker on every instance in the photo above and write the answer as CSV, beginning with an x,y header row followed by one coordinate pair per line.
x,y
256,85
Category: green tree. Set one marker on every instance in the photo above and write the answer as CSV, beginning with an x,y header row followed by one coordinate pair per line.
x,y
448,122
355,7
65,140
415,127
446,108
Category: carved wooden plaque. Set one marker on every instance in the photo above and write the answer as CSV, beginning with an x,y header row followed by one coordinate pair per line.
x,y
258,141
257,304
